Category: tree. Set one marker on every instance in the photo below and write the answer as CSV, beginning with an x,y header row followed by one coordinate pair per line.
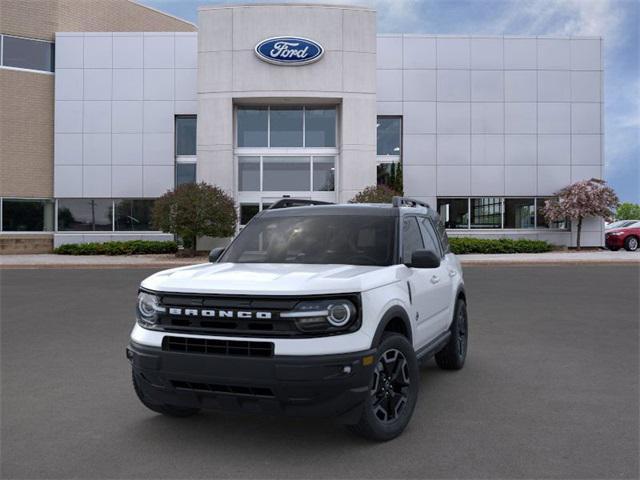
x,y
586,198
628,211
375,194
194,210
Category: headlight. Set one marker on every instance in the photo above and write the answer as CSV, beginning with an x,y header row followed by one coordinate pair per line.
x,y
329,315
148,309
616,233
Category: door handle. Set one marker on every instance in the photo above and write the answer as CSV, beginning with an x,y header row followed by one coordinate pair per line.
x,y
452,273
435,279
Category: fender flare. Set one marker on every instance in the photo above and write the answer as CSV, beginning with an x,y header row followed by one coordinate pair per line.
x,y
394,312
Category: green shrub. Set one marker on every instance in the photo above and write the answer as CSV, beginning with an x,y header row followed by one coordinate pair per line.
x,y
460,245
131,247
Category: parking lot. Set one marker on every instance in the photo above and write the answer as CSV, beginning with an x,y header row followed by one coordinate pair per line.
x,y
550,390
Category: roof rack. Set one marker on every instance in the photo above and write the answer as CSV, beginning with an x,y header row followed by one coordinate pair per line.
x,y
296,202
408,202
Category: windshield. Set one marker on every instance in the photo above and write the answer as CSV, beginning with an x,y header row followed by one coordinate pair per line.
x,y
621,224
320,239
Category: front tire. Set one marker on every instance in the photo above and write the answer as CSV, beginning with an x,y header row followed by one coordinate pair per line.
x,y
393,391
169,410
631,244
454,353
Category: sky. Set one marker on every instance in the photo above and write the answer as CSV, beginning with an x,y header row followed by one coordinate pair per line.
x,y
617,21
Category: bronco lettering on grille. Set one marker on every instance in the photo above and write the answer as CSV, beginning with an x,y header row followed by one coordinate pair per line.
x,y
193,312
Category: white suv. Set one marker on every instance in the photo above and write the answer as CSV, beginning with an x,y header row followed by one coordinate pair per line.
x,y
315,310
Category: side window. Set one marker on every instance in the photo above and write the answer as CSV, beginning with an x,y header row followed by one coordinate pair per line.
x,y
411,238
442,232
430,237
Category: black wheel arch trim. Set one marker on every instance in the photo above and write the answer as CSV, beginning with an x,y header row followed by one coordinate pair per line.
x,y
394,312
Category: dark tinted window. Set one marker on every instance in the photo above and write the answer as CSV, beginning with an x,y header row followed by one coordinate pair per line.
x,y
519,213
253,126
442,233
134,215
26,53
320,127
186,135
87,215
318,239
248,211
542,222
454,212
486,212
286,126
185,173
411,238
429,236
27,215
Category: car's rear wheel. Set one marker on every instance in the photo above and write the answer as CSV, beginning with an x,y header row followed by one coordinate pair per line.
x,y
454,353
631,243
164,409
393,391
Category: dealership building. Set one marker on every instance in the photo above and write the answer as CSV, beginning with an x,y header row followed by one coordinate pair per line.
x,y
112,104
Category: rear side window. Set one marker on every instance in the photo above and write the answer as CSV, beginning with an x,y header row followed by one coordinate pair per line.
x,y
430,237
442,233
411,238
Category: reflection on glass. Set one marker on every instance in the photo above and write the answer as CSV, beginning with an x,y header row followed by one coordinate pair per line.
x,y
185,173
486,212
249,174
84,215
186,135
454,212
252,126
286,127
26,53
27,215
134,215
248,211
286,174
389,132
519,213
324,174
320,127
542,222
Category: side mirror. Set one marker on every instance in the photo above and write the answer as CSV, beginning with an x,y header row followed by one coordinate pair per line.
x,y
424,259
215,253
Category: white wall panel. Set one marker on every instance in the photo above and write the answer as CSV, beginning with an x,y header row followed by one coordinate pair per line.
x,y
389,85
158,84
520,53
454,117
554,149
487,53
128,84
96,149
585,118
520,118
69,51
520,149
487,149
96,181
453,180
127,117
554,54
96,117
98,51
487,86
586,54
419,85
453,85
419,52
487,117
68,149
126,181
126,149
97,84
158,149
454,149
453,52
419,149
127,51
156,180
554,118
521,85
158,51
389,52
68,84
586,150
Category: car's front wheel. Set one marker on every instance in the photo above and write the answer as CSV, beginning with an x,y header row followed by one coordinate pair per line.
x,y
393,390
631,244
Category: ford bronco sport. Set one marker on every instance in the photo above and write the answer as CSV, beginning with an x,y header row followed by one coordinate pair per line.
x,y
314,310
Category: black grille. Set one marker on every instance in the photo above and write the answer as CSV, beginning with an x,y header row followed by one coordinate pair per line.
x,y
228,389
217,347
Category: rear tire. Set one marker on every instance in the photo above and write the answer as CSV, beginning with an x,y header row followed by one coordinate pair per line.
x,y
454,353
169,410
631,243
393,391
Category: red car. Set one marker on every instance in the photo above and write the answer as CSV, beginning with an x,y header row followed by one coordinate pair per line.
x,y
627,237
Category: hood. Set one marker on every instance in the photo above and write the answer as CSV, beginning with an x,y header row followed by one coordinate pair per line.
x,y
271,279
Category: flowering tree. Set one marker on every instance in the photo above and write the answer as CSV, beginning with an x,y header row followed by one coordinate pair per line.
x,y
194,210
586,198
375,194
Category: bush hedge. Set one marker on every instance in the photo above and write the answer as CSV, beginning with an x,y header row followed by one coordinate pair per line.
x,y
461,245
131,247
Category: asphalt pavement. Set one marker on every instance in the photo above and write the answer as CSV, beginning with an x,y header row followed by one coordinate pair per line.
x,y
550,390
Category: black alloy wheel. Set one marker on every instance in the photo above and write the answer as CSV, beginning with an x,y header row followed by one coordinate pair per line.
x,y
390,389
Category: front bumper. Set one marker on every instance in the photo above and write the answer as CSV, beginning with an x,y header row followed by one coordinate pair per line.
x,y
326,386
614,241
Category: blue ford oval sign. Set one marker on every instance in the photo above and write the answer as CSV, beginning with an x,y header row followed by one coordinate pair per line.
x,y
289,50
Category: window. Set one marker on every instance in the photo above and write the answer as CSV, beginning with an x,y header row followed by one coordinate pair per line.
x,y
249,174
390,174
389,133
316,239
185,173
133,215
286,173
186,135
519,213
248,211
253,127
454,212
26,53
542,222
411,238
286,127
320,127
27,215
429,236
324,174
486,212
84,214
